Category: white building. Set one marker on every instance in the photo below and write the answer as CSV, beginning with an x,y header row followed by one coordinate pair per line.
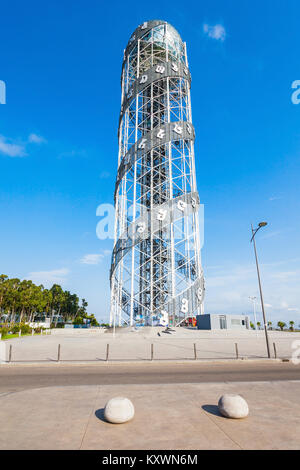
x,y
223,322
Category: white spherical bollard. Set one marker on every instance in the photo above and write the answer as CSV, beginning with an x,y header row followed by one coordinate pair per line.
x,y
118,410
233,406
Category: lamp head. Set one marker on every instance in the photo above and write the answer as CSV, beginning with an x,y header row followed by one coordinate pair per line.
x,y
262,224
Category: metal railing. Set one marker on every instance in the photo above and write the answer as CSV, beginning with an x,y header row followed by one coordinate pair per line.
x,y
9,353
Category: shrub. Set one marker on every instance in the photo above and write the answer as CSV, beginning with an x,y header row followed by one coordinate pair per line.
x,y
3,331
15,329
57,325
25,329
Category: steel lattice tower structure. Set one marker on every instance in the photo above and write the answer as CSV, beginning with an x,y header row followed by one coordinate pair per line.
x,y
156,266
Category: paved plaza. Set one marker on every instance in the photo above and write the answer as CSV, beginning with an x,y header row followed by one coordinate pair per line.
x,y
126,345
48,405
181,416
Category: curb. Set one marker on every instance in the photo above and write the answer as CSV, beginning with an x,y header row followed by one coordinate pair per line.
x,y
155,362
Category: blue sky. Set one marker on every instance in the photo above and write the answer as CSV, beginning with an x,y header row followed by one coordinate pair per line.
x,y
61,63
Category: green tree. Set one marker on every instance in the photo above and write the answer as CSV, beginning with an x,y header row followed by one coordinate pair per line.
x,y
58,299
3,289
12,302
281,325
23,301
93,320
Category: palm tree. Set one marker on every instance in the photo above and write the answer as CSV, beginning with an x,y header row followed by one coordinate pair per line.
x,y
258,324
292,323
270,324
281,325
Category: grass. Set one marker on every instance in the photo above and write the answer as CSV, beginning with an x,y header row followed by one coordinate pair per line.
x,y
16,335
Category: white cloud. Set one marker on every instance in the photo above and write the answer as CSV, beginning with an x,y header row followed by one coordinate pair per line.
x,y
47,278
36,139
11,149
92,259
287,276
271,234
228,290
104,175
217,31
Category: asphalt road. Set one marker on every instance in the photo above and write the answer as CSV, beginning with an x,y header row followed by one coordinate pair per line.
x,y
20,377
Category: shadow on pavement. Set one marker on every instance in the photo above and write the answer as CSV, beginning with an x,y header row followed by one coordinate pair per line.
x,y
100,414
212,409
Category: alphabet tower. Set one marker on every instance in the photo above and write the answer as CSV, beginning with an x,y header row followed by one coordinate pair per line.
x,y
156,275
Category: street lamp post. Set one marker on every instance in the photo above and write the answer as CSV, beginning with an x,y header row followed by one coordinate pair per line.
x,y
253,299
260,225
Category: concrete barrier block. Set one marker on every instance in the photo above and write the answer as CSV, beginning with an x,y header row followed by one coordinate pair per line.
x,y
119,410
233,406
